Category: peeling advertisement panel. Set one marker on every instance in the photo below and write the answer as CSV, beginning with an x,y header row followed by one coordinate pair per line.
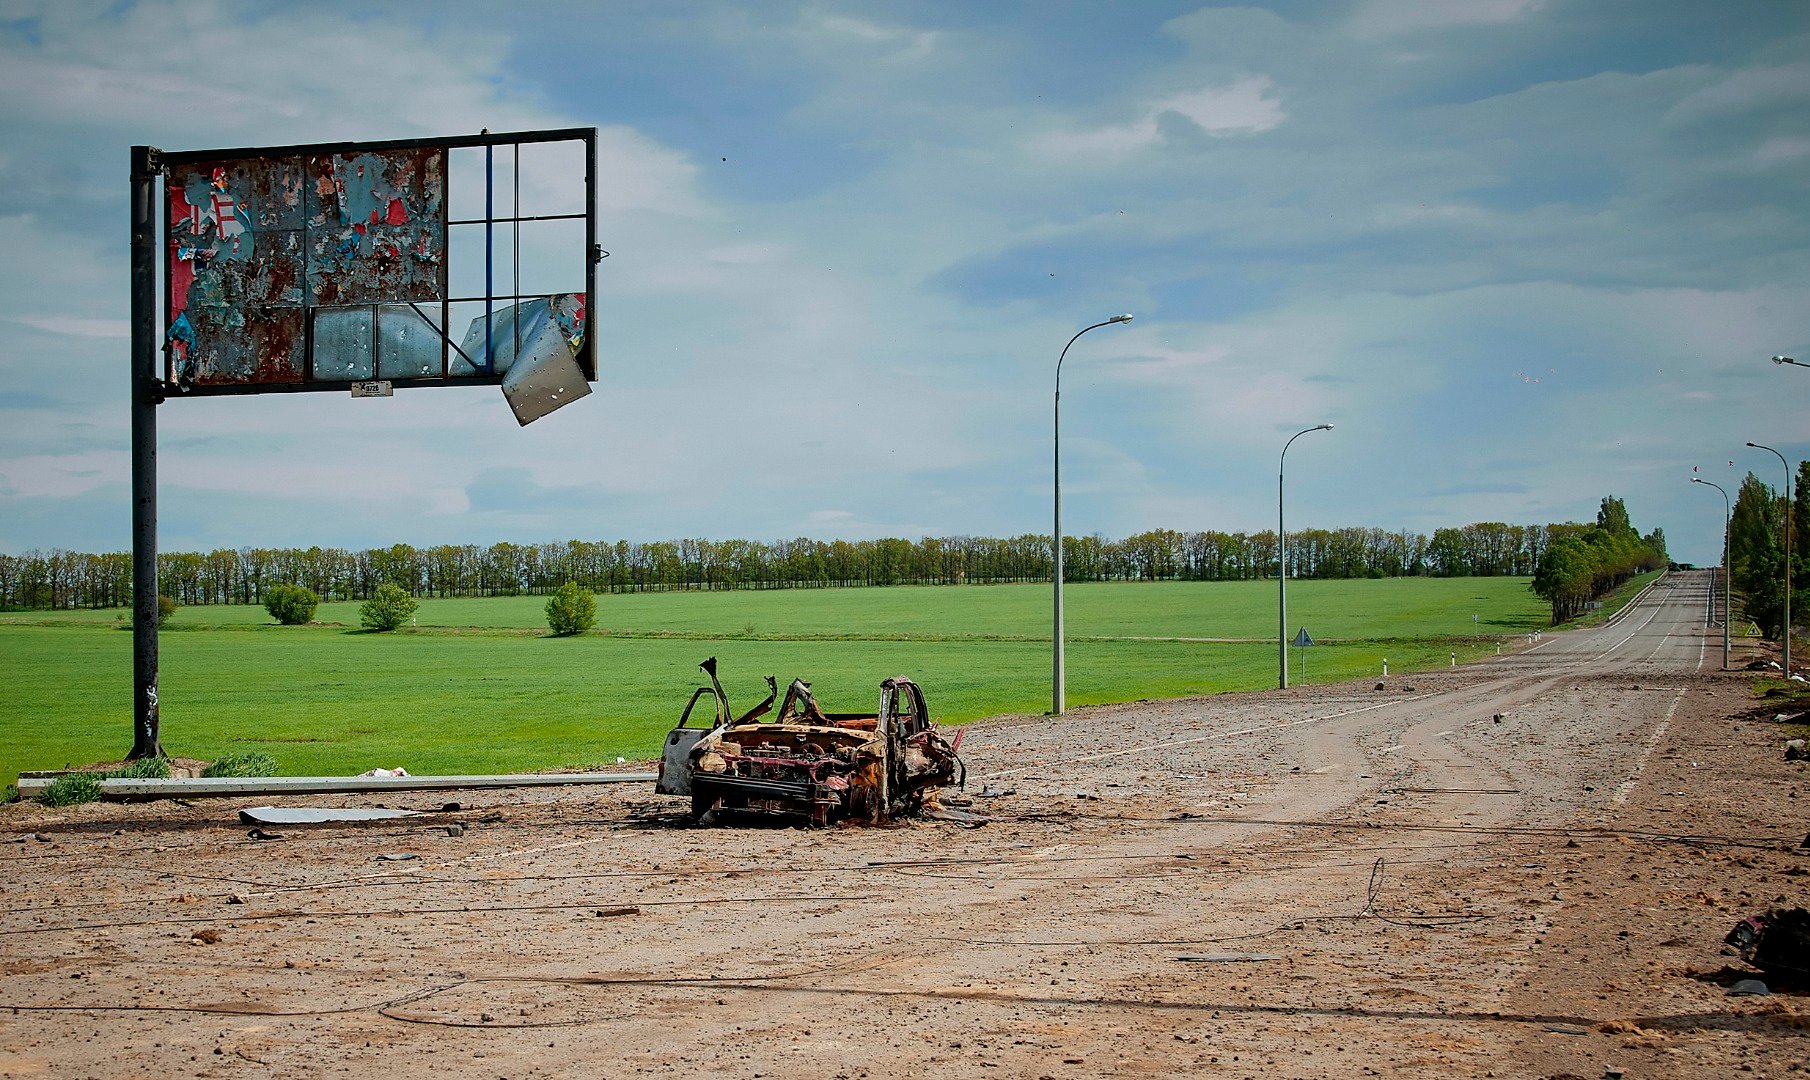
x,y
452,261
254,245
377,228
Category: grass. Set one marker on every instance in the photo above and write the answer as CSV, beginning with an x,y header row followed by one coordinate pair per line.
x,y
1396,608
85,787
243,764
476,689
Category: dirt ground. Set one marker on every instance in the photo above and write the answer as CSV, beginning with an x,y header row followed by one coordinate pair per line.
x,y
1520,868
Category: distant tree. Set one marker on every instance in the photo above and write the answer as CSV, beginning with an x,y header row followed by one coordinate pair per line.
x,y
1756,553
291,605
1612,518
1446,554
388,608
166,607
571,610
1583,562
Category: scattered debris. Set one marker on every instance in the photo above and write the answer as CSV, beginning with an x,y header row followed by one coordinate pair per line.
x,y
988,791
866,767
383,773
1565,1029
615,912
1796,750
1777,941
311,815
205,936
260,834
1749,988
955,817
398,856
1227,958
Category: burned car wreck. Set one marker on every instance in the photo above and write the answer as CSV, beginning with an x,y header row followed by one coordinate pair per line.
x,y
866,767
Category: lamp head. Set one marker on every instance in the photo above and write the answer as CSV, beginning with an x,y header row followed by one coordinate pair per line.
x,y
1755,445
1783,360
1324,427
1120,318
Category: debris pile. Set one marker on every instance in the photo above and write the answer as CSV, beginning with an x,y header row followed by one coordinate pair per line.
x,y
1777,942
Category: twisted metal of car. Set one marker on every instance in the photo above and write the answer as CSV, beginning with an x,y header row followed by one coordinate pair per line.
x,y
866,767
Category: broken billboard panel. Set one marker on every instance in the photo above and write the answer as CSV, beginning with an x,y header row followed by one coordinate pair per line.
x,y
319,267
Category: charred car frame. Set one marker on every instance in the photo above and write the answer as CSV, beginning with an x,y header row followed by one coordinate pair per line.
x,y
866,767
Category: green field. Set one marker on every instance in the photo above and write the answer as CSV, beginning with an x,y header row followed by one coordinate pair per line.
x,y
478,688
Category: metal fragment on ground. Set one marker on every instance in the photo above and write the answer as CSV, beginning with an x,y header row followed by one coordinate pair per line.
x,y
318,815
954,816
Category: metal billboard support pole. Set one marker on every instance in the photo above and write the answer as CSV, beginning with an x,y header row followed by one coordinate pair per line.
x,y
145,396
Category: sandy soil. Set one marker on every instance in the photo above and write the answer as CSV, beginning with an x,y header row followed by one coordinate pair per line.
x,y
1523,867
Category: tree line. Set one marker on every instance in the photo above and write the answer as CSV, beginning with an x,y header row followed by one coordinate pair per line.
x,y
66,579
1584,562
1756,549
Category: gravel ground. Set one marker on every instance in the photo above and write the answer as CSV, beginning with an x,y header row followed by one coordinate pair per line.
x,y
1522,867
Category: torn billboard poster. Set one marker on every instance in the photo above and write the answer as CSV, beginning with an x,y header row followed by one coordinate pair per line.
x,y
253,244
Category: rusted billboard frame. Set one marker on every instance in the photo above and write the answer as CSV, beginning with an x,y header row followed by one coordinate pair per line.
x,y
149,388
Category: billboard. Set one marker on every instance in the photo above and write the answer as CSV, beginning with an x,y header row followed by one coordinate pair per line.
x,y
332,266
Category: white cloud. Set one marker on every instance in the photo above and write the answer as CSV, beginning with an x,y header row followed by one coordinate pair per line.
x,y
908,43
1244,107
1782,150
76,326
1388,18
64,475
1241,108
1781,86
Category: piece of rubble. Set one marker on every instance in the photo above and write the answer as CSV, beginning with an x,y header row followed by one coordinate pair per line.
x,y
317,815
1777,941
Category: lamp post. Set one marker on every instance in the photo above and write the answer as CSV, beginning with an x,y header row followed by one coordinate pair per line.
x,y
1783,360
1787,464
1058,663
1282,557
1727,514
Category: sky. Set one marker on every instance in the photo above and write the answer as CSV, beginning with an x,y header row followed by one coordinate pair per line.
x,y
1521,253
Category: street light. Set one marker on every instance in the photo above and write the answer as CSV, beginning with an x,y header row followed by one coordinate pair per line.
x,y
1282,556
1787,360
1059,671
1787,465
1727,513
